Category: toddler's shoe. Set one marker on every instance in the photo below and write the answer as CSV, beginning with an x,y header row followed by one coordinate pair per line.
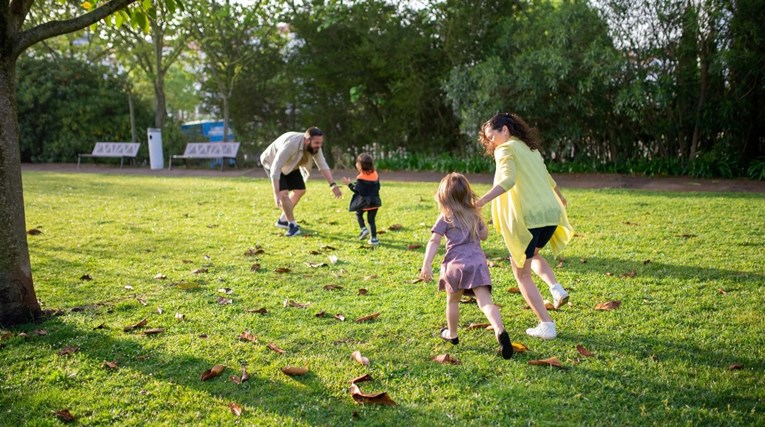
x,y
444,332
505,346
364,233
560,296
293,230
374,241
282,224
545,330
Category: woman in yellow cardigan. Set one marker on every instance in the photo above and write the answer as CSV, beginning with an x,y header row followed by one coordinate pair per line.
x,y
527,209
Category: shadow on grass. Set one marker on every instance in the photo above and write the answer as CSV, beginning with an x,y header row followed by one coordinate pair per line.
x,y
303,399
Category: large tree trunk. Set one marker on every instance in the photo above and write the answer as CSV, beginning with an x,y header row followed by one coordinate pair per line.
x,y
18,302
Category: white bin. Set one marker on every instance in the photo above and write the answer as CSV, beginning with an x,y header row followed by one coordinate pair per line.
x,y
156,158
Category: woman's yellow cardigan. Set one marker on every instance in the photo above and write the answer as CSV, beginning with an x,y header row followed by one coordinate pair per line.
x,y
529,200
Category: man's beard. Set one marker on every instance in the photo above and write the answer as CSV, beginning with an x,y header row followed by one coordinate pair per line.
x,y
312,150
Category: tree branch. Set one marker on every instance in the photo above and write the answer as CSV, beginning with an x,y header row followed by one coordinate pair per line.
x,y
55,28
19,10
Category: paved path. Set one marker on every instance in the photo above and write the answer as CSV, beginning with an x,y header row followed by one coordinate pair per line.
x,y
577,180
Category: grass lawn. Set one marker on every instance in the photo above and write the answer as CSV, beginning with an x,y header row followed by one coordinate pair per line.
x,y
687,268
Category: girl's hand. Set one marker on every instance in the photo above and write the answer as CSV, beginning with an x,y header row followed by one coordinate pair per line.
x,y
346,181
426,274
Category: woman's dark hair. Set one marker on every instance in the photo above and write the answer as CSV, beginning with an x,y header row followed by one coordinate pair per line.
x,y
517,127
314,131
366,162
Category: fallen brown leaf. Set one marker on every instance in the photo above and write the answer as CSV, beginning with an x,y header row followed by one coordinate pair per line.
x,y
160,276
64,415
187,261
317,264
142,301
34,232
356,355
478,326
274,347
735,367
235,409
395,227
520,347
70,349
86,278
413,246
365,377
224,300
41,332
551,361
362,291
648,261
255,267
282,270
6,336
200,271
468,300
332,287
101,326
248,336
583,351
212,372
549,305
629,274
340,317
294,370
140,324
560,264
253,251
446,359
227,291
111,365
722,291
314,252
23,335
154,331
514,290
370,277
180,316
367,318
413,281
237,379
261,310
376,398
608,305
293,303
584,261
159,310
321,314
333,259
327,248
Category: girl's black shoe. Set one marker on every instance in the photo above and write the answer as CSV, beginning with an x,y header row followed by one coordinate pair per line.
x,y
505,346
454,341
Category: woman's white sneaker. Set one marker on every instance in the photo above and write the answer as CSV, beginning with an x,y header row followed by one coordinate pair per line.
x,y
560,296
545,330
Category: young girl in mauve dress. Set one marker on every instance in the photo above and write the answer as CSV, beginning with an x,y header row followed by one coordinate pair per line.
x,y
464,269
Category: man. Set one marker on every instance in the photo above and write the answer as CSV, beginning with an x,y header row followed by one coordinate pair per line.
x,y
287,162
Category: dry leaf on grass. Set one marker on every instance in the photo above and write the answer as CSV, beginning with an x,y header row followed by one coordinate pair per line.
x,y
254,251
446,359
722,291
160,276
70,349
200,271
332,259
629,274
226,291
34,232
41,332
159,310
413,281
362,291
142,301
293,303
317,264
468,300
245,376
478,326
520,347
551,361
608,305
111,365
255,267
332,287
735,367
64,415
154,331
356,355
294,371
583,351
180,316
235,409
261,310
413,246
86,278
376,398
140,324
370,277
274,347
340,317
395,227
247,336
365,377
321,314
224,301
212,372
282,270
367,318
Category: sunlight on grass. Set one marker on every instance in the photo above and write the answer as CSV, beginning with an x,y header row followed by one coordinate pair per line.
x,y
687,268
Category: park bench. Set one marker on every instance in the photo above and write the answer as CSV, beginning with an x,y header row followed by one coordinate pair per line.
x,y
208,150
122,150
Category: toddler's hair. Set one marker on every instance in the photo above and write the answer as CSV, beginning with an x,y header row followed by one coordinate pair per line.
x,y
366,162
457,203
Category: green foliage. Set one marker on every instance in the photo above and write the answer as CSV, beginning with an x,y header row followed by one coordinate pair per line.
x,y
662,358
440,163
66,105
757,169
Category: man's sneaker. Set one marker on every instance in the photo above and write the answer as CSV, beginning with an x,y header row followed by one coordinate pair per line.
x,y
293,230
364,233
282,224
560,296
545,330
374,241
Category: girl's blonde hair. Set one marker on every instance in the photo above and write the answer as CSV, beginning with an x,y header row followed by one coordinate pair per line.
x,y
457,203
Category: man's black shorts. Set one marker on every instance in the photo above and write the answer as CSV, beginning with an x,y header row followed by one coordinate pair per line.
x,y
291,181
